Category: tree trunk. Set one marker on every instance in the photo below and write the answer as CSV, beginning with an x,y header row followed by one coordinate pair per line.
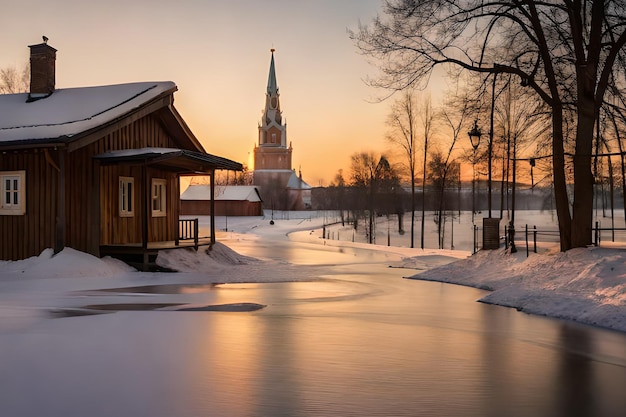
x,y
582,215
424,190
412,208
560,184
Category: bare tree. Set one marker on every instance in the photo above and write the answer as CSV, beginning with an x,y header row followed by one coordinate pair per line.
x,y
454,116
338,191
427,119
14,81
442,173
225,177
566,51
522,122
403,134
370,174
362,173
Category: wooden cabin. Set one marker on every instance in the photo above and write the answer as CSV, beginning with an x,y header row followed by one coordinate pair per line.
x,y
95,168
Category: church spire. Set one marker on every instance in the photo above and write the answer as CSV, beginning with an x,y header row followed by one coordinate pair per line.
x,y
272,151
272,113
272,86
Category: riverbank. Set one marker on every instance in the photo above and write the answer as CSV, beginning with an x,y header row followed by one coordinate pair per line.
x,y
586,285
583,285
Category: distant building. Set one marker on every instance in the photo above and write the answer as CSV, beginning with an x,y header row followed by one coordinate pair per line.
x,y
279,185
230,200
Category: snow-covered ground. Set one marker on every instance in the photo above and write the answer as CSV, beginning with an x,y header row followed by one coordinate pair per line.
x,y
584,285
587,285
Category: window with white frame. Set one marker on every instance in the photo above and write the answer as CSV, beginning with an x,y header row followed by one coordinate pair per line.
x,y
13,184
158,197
127,196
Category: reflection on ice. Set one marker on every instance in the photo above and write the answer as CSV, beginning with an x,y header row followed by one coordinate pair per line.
x,y
155,289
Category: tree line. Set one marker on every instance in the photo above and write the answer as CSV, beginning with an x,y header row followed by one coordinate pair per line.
x,y
566,59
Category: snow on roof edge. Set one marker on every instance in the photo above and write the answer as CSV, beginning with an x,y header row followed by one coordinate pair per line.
x,y
72,111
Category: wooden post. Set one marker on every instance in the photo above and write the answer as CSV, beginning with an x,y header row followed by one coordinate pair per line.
x,y
146,210
94,244
212,203
178,234
61,217
526,237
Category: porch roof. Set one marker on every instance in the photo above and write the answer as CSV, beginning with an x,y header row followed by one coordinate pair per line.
x,y
179,160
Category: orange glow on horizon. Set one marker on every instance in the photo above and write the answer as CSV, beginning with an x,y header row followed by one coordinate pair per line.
x,y
329,110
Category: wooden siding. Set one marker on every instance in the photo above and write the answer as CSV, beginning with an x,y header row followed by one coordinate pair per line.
x,y
116,230
28,235
113,229
91,195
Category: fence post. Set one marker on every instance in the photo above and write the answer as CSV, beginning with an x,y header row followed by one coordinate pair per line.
x,y
475,239
597,235
535,239
526,238
506,237
195,233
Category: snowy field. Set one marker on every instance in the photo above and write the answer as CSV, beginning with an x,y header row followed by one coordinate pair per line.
x,y
584,285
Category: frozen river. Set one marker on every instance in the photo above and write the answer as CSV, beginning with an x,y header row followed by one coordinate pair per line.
x,y
360,341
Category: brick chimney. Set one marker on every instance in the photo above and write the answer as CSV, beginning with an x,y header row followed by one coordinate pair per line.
x,y
42,64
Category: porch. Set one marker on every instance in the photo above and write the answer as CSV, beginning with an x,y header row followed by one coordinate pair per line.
x,y
146,243
143,256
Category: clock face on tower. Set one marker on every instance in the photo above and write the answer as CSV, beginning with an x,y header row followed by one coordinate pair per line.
x,y
274,102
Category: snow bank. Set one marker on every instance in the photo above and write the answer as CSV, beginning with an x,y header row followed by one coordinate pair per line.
x,y
587,285
217,257
68,263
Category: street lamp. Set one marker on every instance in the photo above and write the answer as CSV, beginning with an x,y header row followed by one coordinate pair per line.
x,y
474,136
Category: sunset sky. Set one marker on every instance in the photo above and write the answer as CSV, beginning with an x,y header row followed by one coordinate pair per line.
x,y
218,53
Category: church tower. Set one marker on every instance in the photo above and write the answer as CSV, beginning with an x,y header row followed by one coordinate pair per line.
x,y
271,151
279,186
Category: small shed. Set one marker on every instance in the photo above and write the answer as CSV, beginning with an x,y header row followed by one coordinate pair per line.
x,y
230,200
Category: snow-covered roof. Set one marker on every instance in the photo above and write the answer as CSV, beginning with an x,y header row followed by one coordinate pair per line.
x,y
222,192
71,111
287,176
296,183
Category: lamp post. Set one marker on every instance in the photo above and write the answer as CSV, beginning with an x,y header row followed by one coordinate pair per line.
x,y
490,147
512,222
474,136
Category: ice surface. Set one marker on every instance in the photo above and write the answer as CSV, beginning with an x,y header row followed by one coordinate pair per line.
x,y
587,285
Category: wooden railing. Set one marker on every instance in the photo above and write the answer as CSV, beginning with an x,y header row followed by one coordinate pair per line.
x,y
187,230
